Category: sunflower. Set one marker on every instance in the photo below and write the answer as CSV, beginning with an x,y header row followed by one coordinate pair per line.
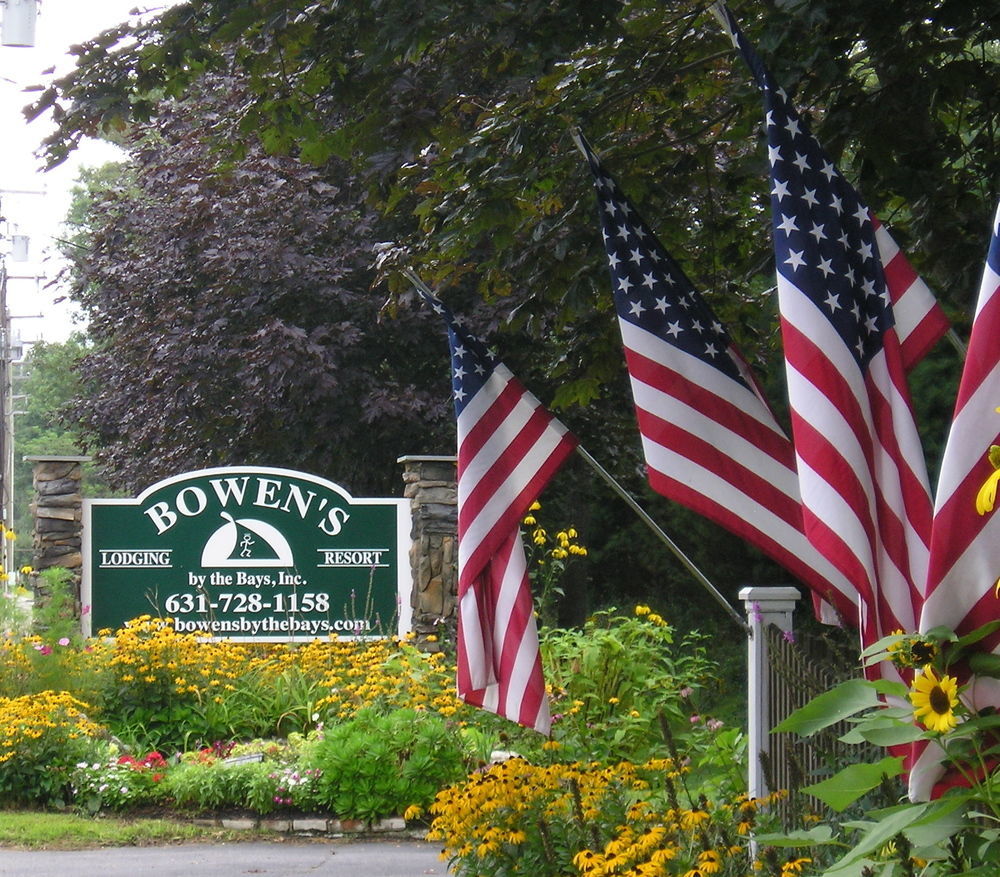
x,y
934,700
911,651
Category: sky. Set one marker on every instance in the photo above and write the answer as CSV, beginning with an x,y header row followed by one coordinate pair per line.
x,y
31,299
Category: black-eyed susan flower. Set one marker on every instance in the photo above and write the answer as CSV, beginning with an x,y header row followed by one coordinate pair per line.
x,y
709,862
934,700
987,496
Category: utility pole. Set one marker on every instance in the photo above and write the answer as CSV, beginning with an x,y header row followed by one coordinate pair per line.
x,y
6,426
17,28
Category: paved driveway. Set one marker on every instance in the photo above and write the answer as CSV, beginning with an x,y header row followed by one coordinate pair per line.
x,y
331,858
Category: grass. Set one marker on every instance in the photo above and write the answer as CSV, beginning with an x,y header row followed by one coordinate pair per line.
x,y
66,831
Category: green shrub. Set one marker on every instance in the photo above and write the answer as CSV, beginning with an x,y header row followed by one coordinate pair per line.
x,y
206,783
615,681
378,765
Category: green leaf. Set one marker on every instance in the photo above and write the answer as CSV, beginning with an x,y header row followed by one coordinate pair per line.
x,y
832,706
883,732
985,664
877,835
821,834
978,634
944,819
845,787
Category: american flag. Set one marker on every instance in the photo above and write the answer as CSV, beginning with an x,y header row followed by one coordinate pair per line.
x,y
509,446
710,440
965,546
866,501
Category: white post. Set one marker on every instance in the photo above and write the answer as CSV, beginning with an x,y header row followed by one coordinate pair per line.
x,y
18,26
763,606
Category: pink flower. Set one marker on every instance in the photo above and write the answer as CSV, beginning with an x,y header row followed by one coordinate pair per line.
x,y
714,724
695,719
85,610
686,691
64,641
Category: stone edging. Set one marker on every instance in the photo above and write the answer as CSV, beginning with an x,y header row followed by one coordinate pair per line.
x,y
314,826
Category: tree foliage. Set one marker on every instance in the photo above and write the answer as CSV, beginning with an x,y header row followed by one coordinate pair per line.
x,y
444,125
457,117
232,320
46,385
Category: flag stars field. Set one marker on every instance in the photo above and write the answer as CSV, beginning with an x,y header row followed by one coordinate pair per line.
x,y
641,272
842,256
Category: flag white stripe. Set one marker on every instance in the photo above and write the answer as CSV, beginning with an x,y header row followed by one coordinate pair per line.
x,y
970,577
910,306
480,670
697,372
732,444
967,431
724,493
499,501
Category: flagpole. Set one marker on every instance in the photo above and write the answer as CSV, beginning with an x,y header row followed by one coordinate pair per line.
x,y
956,342
412,276
663,537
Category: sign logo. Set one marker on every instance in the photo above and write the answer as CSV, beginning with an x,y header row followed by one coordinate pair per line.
x,y
249,553
246,542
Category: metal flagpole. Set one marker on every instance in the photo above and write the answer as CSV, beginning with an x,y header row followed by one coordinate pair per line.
x,y
663,537
688,564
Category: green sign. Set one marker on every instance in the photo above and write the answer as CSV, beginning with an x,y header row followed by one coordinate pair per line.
x,y
249,553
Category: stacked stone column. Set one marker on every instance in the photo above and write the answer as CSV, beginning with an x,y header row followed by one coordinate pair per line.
x,y
57,510
432,491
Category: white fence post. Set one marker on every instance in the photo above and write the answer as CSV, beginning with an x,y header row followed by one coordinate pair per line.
x,y
763,606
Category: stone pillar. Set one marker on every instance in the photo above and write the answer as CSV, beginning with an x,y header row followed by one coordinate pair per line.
x,y
432,490
57,510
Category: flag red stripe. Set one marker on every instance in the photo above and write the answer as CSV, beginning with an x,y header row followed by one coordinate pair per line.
x,y
727,415
875,428
892,529
511,516
476,436
981,357
922,338
490,481
703,452
800,563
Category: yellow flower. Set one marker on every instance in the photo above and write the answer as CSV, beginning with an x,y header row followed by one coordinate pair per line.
x,y
934,700
709,862
987,496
